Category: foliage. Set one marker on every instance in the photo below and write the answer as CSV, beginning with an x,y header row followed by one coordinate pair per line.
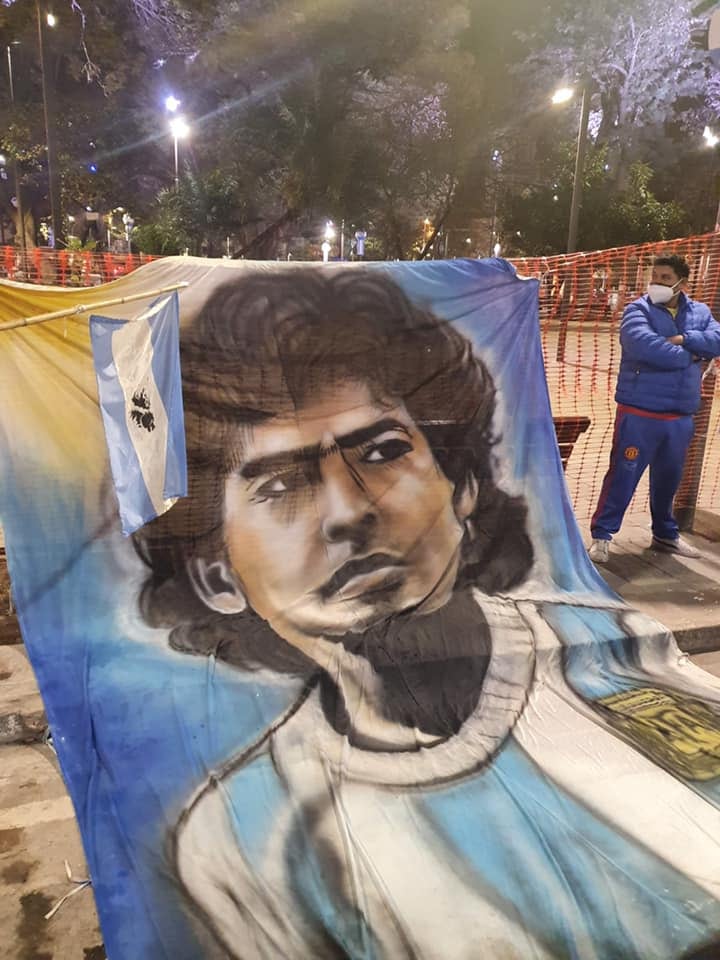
x,y
536,219
197,217
639,64
337,110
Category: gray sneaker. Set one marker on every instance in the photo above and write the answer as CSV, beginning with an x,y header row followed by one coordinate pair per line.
x,y
680,547
599,551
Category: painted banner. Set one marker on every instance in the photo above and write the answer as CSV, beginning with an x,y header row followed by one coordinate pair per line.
x,y
359,695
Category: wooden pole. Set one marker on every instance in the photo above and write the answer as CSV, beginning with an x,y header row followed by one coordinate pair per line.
x,y
75,311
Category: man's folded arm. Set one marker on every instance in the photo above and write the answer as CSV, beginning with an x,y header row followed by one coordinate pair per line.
x,y
643,344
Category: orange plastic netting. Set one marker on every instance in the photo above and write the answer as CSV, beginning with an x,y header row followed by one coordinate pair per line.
x,y
67,268
582,297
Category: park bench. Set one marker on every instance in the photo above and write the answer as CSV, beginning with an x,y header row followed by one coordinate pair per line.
x,y
567,431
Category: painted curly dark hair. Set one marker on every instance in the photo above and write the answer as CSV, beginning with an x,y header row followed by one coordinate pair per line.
x,y
262,346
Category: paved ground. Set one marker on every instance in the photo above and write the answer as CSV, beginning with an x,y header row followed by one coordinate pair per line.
x,y
37,835
683,594
37,828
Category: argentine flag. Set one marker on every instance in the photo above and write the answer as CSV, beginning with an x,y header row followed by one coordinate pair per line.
x,y
137,364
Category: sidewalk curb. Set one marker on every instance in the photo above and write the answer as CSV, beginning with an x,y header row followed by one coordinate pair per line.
x,y
699,639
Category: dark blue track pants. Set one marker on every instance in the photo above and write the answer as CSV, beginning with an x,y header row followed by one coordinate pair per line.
x,y
639,442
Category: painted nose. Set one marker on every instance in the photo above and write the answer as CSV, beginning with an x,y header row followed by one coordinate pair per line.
x,y
347,511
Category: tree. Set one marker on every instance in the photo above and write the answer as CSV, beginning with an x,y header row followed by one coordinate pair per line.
x,y
345,115
198,216
639,63
535,220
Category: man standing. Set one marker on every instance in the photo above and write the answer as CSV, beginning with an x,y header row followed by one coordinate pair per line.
x,y
664,335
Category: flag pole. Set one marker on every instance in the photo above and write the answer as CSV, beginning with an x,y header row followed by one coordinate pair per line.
x,y
75,311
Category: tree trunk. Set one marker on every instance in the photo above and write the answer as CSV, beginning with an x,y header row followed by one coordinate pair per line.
x,y
27,229
264,243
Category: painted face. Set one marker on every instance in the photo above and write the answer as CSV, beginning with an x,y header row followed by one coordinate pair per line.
x,y
340,517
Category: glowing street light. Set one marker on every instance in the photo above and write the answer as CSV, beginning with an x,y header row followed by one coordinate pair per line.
x,y
562,95
171,104
711,139
51,19
179,130
329,236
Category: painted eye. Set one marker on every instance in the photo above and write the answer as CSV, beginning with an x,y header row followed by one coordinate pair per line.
x,y
272,489
277,485
386,451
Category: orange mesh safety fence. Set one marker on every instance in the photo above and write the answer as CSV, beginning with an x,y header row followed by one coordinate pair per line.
x,y
582,298
67,268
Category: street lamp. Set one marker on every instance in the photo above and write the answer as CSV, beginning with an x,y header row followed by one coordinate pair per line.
x,y
20,212
562,95
329,236
711,139
47,91
179,130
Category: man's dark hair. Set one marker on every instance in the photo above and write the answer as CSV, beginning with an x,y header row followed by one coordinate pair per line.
x,y
675,262
261,347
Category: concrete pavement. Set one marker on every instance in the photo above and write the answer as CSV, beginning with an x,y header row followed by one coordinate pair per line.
x,y
683,594
38,834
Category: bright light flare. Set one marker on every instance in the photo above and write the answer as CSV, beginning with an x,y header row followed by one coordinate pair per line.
x,y
562,95
711,139
171,104
179,128
51,19
329,230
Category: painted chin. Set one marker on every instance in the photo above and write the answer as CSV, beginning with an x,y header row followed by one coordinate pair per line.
x,y
388,597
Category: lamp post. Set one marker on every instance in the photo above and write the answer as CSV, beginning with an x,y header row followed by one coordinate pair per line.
x,y
712,140
179,130
16,174
53,184
562,96
327,242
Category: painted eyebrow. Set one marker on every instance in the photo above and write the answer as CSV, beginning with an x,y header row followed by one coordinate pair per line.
x,y
285,459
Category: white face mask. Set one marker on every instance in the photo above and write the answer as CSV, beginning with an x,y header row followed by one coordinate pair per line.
x,y
659,293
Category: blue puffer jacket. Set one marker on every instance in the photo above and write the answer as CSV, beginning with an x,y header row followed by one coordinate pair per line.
x,y
660,376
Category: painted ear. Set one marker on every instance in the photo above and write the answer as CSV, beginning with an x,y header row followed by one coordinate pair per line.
x,y
466,494
216,585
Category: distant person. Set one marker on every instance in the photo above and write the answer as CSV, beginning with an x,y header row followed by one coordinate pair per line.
x,y
664,335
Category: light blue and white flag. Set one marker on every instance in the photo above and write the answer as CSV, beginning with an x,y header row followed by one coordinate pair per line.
x,y
137,364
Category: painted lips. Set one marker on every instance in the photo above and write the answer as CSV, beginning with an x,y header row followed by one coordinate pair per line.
x,y
358,577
